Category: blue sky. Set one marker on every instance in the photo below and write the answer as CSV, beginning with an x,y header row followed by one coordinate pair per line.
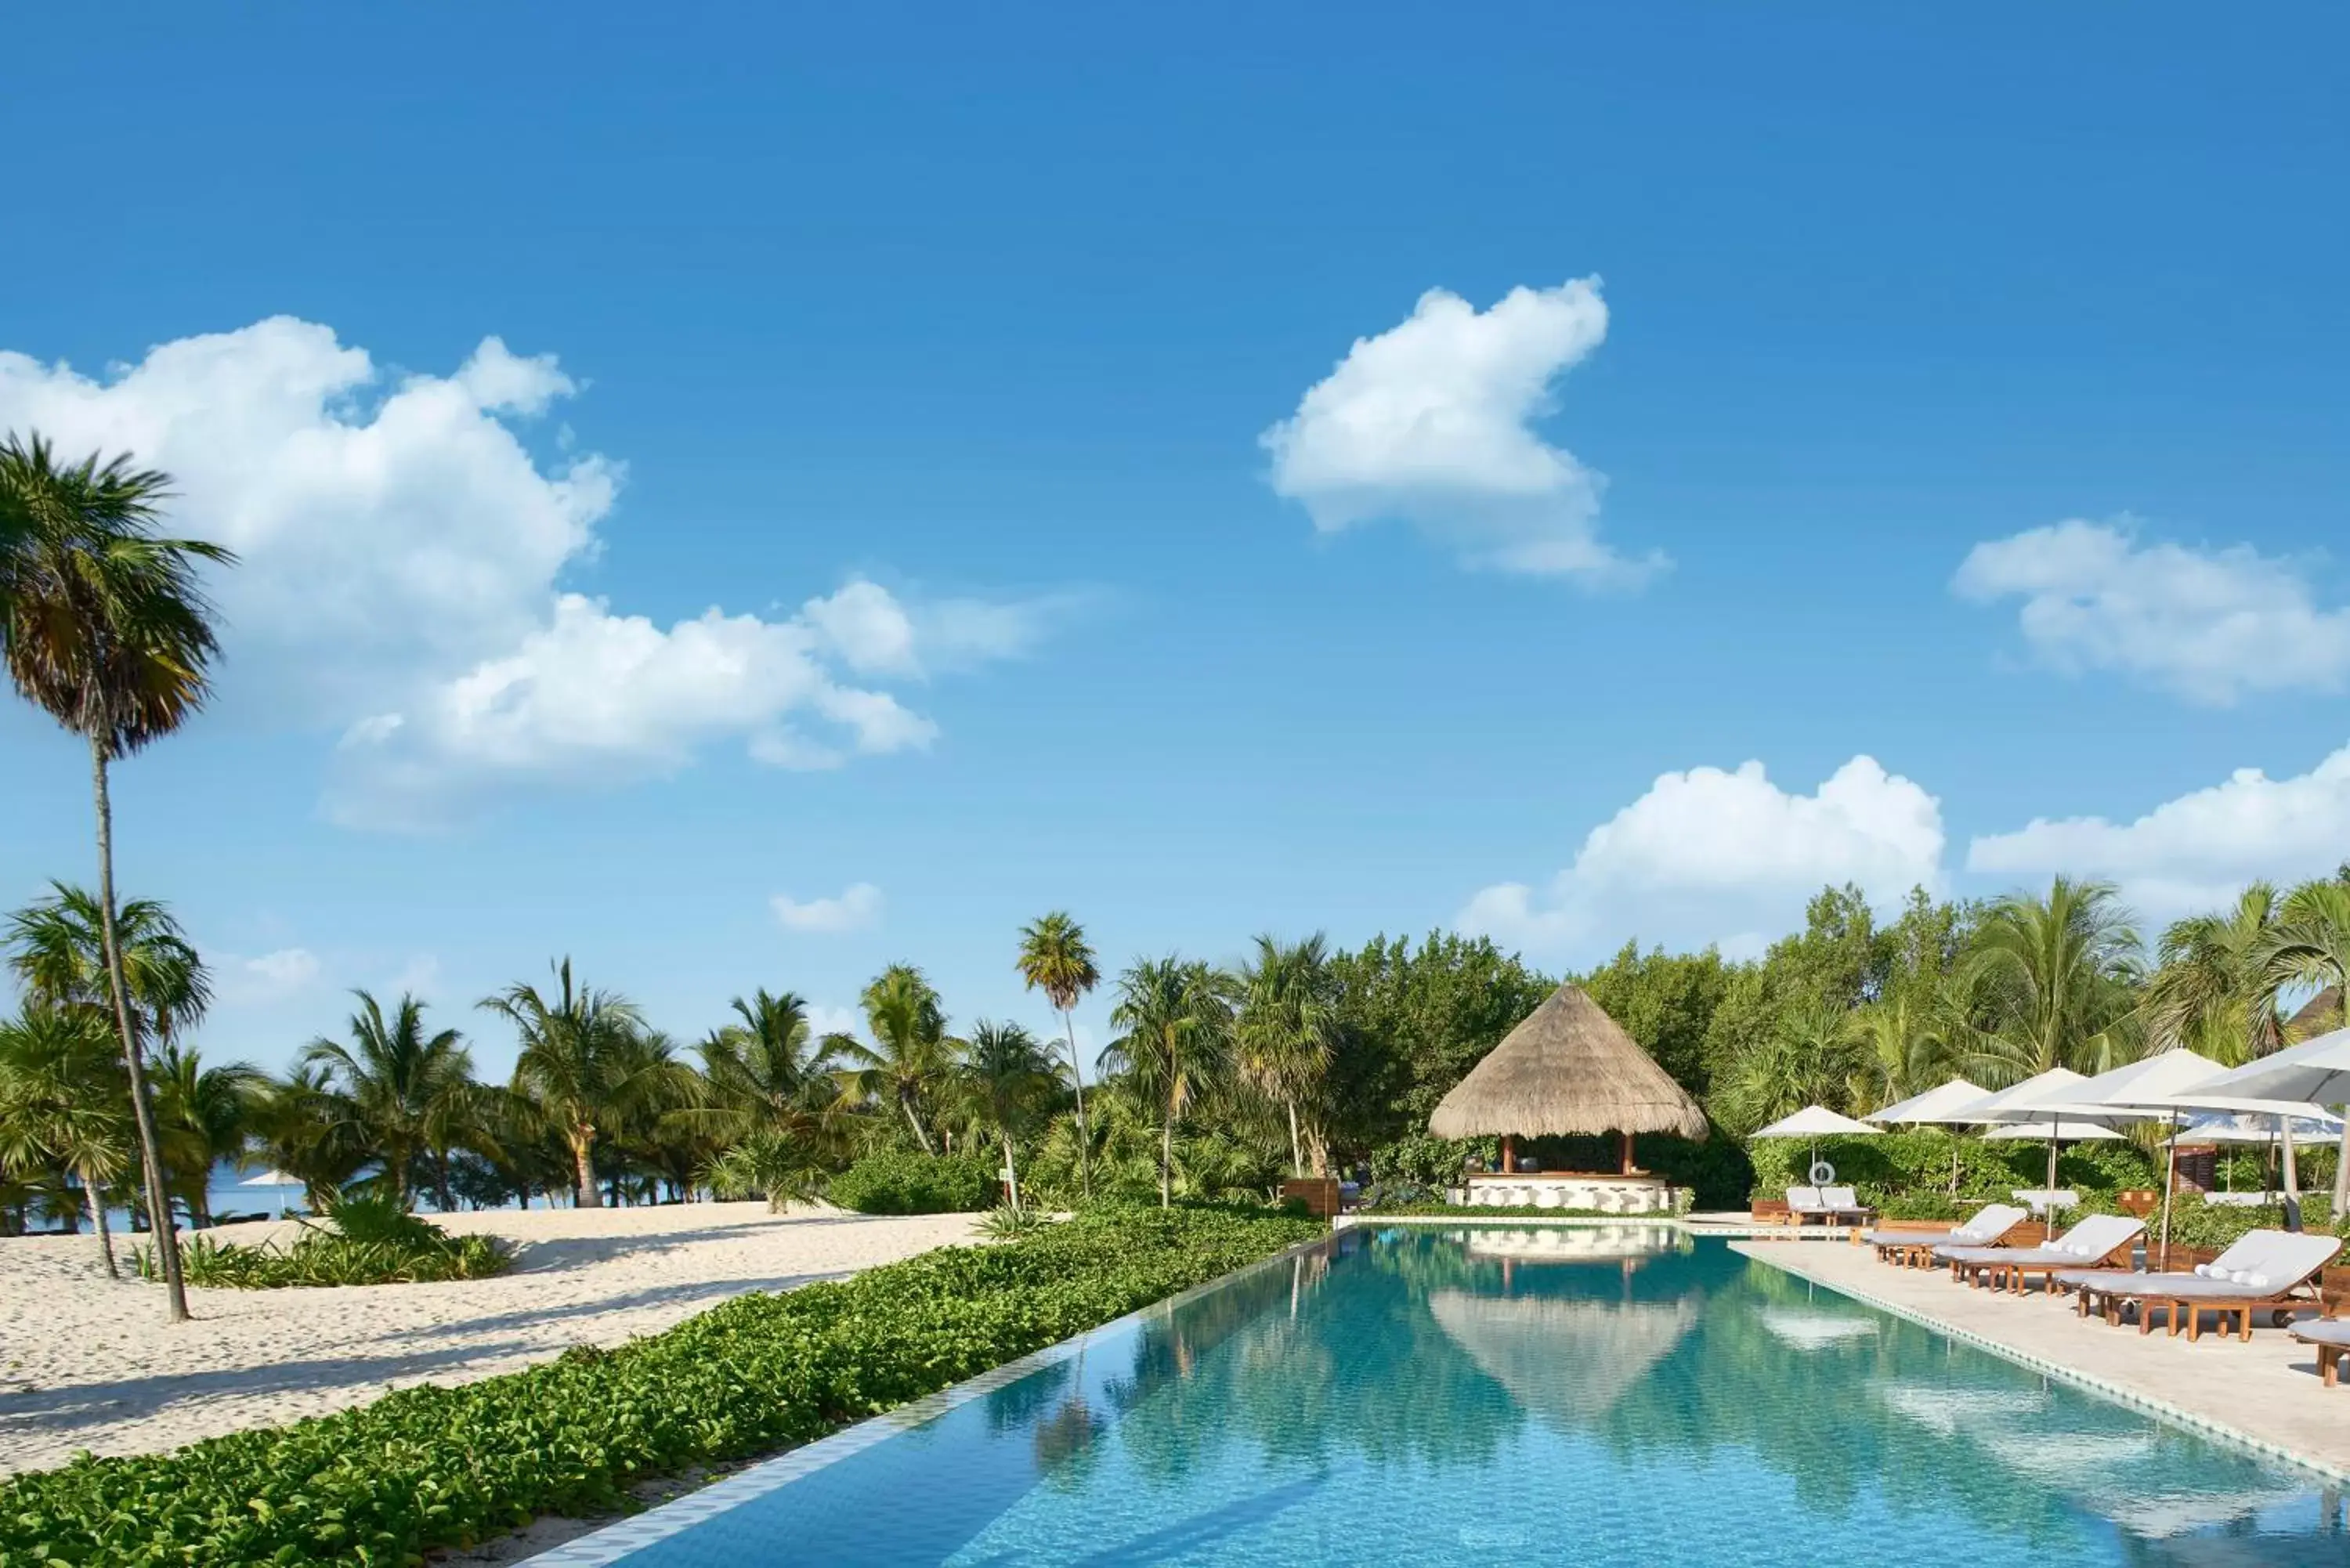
x,y
1945,413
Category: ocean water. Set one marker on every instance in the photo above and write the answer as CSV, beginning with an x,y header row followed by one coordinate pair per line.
x,y
1626,1397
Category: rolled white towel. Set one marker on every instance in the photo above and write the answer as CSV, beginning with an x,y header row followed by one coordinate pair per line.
x,y
2205,1270
2259,1281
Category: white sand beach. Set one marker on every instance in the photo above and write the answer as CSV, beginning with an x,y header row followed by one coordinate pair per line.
x,y
87,1363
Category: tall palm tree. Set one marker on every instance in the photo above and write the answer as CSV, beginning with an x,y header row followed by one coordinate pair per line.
x,y
1004,1077
1176,1018
409,1096
1906,1041
2310,946
1287,1030
207,1112
65,1097
911,1055
2214,989
2057,980
1055,958
1808,1057
770,1069
307,1128
575,1066
103,626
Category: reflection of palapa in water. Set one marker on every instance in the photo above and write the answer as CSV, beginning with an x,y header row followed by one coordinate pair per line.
x,y
1565,1362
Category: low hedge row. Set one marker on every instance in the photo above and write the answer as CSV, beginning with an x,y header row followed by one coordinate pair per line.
x,y
904,1182
433,1466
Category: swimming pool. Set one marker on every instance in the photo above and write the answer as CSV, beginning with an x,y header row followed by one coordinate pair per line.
x,y
1608,1397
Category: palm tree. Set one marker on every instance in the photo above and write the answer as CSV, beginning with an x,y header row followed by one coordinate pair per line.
x,y
2310,945
408,1096
1904,1042
1288,1027
305,1128
2057,979
1809,1057
911,1055
65,1097
1055,958
207,1112
104,627
1178,1022
2214,989
575,1066
58,951
1004,1077
771,1070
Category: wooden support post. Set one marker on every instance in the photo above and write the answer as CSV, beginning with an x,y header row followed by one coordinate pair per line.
x,y
1628,1152
1509,1154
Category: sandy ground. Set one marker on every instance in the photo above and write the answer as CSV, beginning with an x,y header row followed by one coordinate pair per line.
x,y
87,1363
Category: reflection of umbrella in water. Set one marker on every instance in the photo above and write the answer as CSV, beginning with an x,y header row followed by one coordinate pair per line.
x,y
1945,1411
1565,1362
1816,1330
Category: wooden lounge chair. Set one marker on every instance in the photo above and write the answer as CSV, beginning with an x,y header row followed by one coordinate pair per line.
x,y
1915,1249
2265,1271
2100,1240
2332,1338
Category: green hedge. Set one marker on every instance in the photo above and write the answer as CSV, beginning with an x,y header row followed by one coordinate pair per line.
x,y
899,1181
433,1467
1898,1164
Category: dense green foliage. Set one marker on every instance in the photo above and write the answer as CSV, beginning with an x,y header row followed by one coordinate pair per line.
x,y
906,1182
432,1466
365,1241
1896,1163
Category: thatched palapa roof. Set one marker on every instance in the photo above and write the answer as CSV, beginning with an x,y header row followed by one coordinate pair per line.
x,y
1568,1068
2322,1012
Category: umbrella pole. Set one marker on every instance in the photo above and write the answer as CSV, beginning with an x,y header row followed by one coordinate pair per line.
x,y
2292,1177
2053,1127
2169,1185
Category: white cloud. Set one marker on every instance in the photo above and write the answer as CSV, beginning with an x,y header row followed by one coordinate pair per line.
x,y
857,908
400,548
2209,625
1713,856
1431,422
2194,853
272,977
823,1020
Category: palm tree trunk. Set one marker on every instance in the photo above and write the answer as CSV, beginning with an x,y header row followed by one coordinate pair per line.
x,y
907,1105
1085,1145
1296,1155
97,1200
1167,1157
440,1179
2342,1171
1010,1166
150,1154
583,1141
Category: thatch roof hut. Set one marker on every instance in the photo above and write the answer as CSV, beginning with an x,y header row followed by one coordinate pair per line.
x,y
1568,1068
1565,1362
2320,1013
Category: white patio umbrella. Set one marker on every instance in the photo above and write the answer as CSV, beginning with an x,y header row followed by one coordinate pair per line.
x,y
2134,1092
1816,1122
2315,1071
2052,1131
276,1178
2026,1102
2245,1126
1933,1108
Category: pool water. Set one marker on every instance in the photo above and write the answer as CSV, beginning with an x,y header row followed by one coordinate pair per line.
x,y
1617,1397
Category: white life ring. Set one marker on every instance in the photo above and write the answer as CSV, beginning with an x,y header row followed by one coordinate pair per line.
x,y
1822,1173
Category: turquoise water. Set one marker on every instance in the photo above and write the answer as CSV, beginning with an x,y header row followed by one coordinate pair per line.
x,y
1490,1398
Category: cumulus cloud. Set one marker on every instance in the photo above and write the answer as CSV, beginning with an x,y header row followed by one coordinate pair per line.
x,y
1431,422
2209,625
272,977
1729,858
825,1020
2195,853
400,549
857,908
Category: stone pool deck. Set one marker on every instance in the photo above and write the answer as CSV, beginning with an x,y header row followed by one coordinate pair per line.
x,y
2264,1395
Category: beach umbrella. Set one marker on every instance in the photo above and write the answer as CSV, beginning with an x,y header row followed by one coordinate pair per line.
x,y
2054,1131
2288,1086
276,1178
2134,1093
1816,1122
1933,1108
2243,1126
2025,1102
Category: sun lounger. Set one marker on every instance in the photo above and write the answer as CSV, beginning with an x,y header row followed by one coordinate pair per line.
x,y
2265,1271
2332,1338
2099,1239
1829,1203
1915,1249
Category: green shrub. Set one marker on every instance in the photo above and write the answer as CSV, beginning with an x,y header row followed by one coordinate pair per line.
x,y
902,1183
1898,1164
430,1466
2194,1223
372,1242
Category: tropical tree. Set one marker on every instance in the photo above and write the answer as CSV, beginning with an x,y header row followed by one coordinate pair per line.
x,y
206,1116
409,1097
303,1127
2310,945
65,1100
1005,1078
912,1055
103,627
2214,989
1176,1018
577,1069
1904,1043
1810,1057
1286,1031
2056,981
1055,958
770,1069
